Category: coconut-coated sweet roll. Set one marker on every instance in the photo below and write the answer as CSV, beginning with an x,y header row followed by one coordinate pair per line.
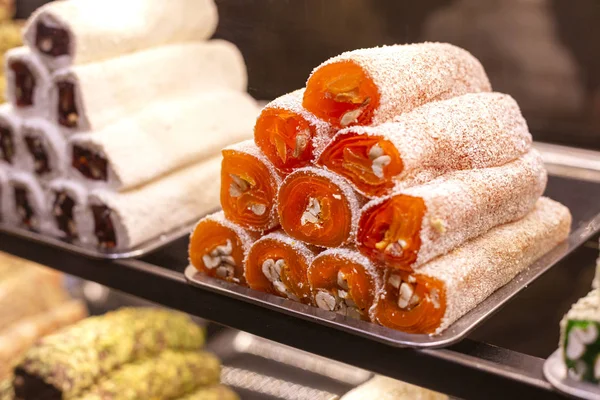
x,y
28,82
126,219
443,290
319,207
476,130
288,135
11,145
90,97
249,184
84,31
46,148
372,86
415,225
175,131
27,202
218,248
345,281
71,218
278,264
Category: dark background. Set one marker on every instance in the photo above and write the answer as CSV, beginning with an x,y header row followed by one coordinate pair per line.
x,y
545,53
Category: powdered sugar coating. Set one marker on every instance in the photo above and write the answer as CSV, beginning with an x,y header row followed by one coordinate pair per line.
x,y
249,147
36,197
353,200
408,76
477,130
586,308
53,143
12,121
475,270
465,204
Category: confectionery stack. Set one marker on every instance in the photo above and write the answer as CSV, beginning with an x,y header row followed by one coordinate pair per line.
x,y
116,119
132,353
397,187
580,336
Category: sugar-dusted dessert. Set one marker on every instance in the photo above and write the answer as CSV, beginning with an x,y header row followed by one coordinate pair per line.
x,y
100,345
249,184
218,248
27,205
278,264
70,216
65,33
372,86
384,388
318,207
45,149
27,82
443,290
345,281
81,99
580,338
415,225
10,135
125,220
471,131
175,131
288,135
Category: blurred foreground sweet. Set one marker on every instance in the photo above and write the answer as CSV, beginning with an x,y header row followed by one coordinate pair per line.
x,y
383,388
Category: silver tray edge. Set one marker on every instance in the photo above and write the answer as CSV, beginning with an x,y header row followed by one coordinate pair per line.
x,y
556,373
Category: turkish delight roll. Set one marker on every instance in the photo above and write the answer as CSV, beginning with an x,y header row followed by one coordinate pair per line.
x,y
100,345
92,96
289,135
125,220
278,264
176,132
68,33
443,290
214,392
169,375
70,215
372,86
415,225
345,281
46,148
249,184
27,82
472,131
218,248
318,207
27,202
11,147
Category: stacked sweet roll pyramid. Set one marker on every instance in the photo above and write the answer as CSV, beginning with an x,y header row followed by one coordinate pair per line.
x,y
395,188
115,121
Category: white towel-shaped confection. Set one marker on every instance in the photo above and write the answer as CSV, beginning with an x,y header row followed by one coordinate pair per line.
x,y
164,136
79,223
27,202
158,207
11,145
104,92
27,82
45,149
67,33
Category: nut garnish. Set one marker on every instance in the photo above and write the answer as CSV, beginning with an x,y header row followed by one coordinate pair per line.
x,y
379,163
238,186
312,213
375,152
272,271
220,258
350,117
438,225
342,281
258,209
301,142
325,300
395,281
405,293
396,248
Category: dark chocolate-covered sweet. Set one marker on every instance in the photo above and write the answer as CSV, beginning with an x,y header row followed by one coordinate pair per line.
x,y
62,210
92,165
52,41
22,205
68,114
7,145
38,151
103,227
24,83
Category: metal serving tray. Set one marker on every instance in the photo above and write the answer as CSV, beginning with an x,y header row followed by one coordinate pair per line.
x,y
94,252
556,373
453,334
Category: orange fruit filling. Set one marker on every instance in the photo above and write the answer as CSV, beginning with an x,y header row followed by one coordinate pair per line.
x,y
314,210
355,157
423,316
285,138
293,274
323,274
342,94
247,195
206,237
390,231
